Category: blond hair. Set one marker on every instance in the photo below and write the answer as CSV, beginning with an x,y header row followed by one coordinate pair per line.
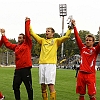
x,y
53,31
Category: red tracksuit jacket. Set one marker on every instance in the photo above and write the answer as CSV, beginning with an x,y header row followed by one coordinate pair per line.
x,y
23,51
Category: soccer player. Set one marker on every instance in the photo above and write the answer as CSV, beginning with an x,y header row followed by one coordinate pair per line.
x,y
1,95
48,60
23,61
87,73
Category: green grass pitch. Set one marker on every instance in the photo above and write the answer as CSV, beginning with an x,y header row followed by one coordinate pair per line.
x,y
65,85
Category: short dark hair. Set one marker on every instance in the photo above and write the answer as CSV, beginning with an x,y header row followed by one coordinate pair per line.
x,y
91,35
22,35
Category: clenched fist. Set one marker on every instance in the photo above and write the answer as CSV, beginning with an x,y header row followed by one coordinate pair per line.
x,y
73,22
27,18
2,31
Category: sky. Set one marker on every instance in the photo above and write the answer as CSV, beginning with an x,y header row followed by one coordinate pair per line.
x,y
45,13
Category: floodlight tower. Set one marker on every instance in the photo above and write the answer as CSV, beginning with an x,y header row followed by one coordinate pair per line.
x,y
63,12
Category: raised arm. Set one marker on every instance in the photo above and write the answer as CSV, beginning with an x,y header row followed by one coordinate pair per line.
x,y
6,42
28,27
35,36
64,38
77,37
28,39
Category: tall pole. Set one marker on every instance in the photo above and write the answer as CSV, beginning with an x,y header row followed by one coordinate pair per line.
x,y
63,12
62,47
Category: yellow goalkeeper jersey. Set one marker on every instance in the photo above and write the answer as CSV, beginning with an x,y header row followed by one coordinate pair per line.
x,y
48,54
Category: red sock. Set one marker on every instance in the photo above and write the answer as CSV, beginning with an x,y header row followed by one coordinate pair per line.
x,y
81,98
1,96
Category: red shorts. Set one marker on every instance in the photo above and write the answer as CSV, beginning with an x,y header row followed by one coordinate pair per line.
x,y
86,80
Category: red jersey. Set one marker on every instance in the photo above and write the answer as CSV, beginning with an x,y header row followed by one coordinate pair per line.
x,y
88,55
23,51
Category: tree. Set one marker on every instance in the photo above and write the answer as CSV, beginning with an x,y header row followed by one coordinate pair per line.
x,y
70,45
83,34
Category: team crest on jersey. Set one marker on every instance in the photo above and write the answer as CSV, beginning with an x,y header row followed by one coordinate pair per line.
x,y
91,51
52,42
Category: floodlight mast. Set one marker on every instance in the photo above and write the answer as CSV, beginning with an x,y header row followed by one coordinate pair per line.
x,y
63,12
